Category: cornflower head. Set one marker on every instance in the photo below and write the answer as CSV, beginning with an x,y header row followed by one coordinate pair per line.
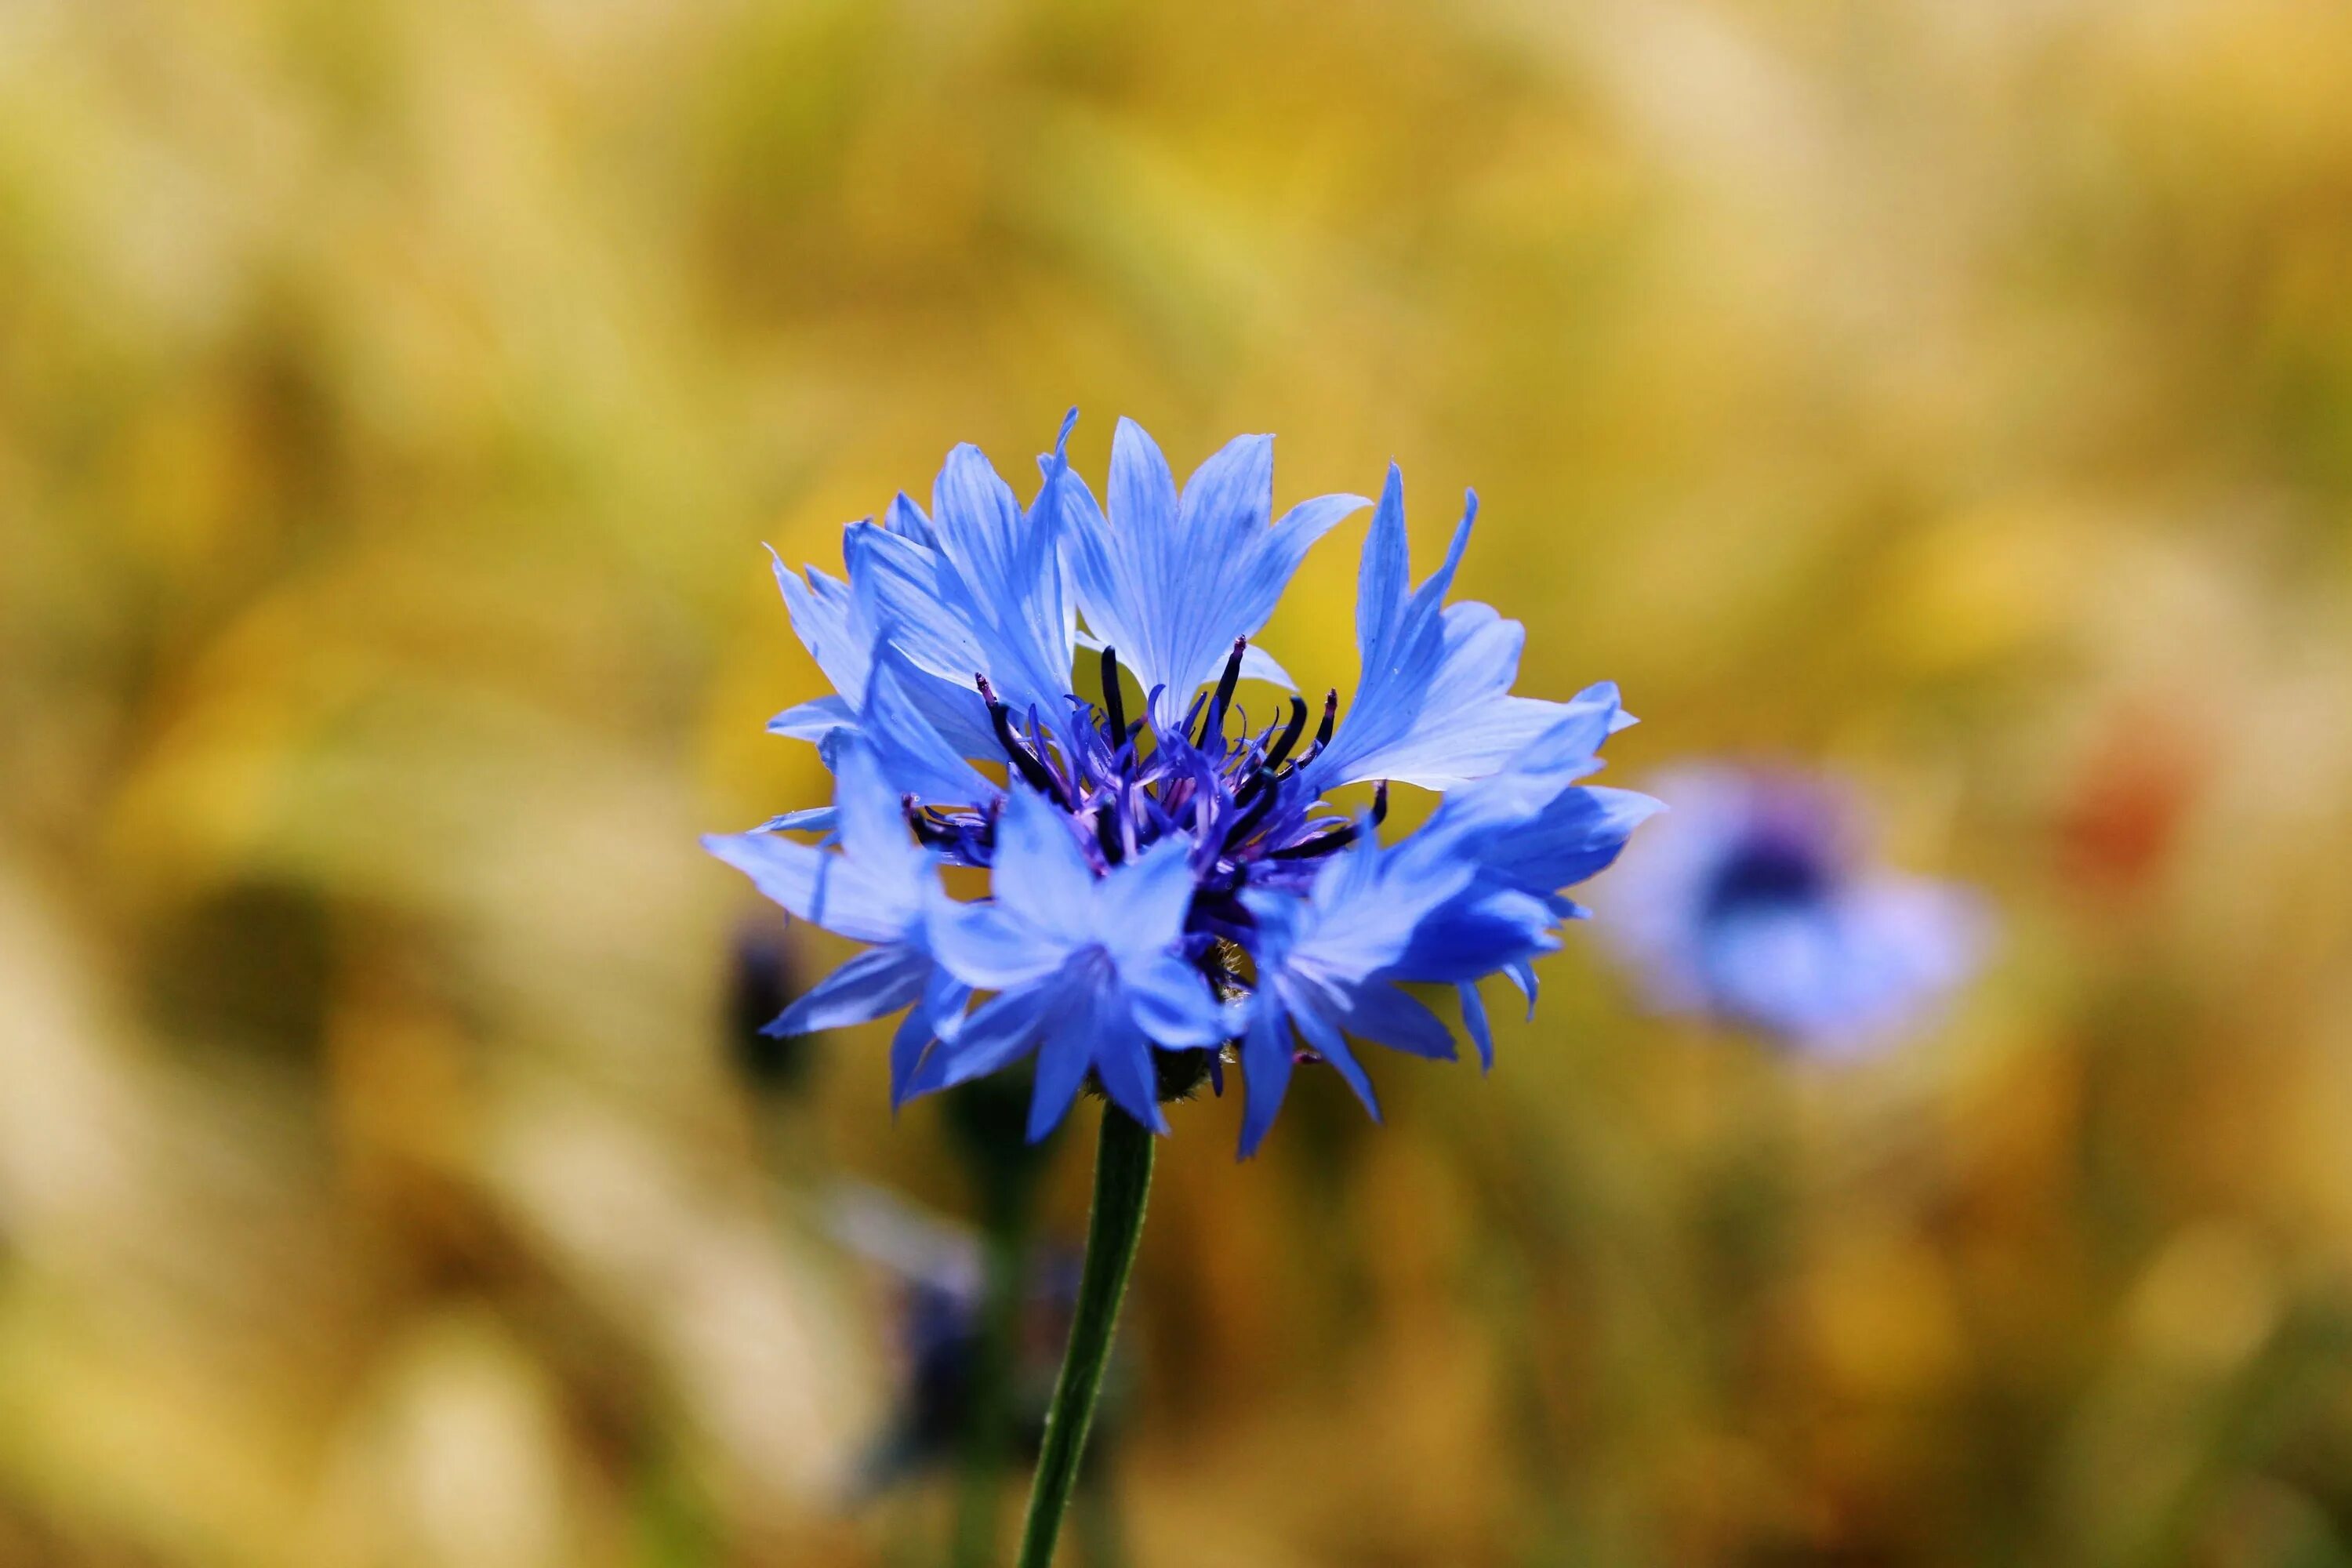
x,y
1168,883
1754,903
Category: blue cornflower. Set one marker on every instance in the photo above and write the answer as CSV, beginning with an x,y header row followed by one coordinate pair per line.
x,y
1168,879
1750,903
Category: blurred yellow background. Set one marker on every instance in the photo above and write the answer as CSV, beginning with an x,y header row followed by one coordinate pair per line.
x,y
394,395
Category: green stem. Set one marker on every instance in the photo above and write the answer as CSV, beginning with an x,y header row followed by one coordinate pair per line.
x,y
1122,1184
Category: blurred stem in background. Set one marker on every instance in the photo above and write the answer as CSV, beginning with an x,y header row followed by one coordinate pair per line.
x,y
1094,1513
1114,1228
987,1124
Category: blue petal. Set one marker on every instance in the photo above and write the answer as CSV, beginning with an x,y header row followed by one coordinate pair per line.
x,y
1259,664
1173,1003
1123,1062
907,1044
1383,575
1387,1016
1067,1052
1433,704
1474,1018
913,591
1171,583
998,1034
1523,976
814,720
1576,837
1267,1055
1486,929
905,589
1359,918
808,819
915,756
1042,879
906,519
944,998
1333,1049
867,904
987,946
1140,907
868,816
1009,566
878,981
825,617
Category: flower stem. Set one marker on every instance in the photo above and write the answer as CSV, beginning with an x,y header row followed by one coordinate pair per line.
x,y
1122,1184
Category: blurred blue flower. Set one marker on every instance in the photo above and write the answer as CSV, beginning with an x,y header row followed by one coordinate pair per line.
x,y
1174,880
1750,902
937,1272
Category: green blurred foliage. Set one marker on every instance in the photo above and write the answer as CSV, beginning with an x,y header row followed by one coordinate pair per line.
x,y
393,397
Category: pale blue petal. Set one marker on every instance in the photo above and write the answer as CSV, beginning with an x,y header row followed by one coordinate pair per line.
x,y
1171,583
906,519
1444,714
1474,1018
1172,1002
1360,921
1259,664
870,819
1229,499
1041,877
1139,907
915,756
985,945
824,888
878,981
1009,565
814,720
808,819
825,617
1433,704
1382,578
912,591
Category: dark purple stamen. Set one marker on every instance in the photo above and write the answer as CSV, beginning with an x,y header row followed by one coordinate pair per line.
x,y
1193,714
1114,702
1214,720
1379,802
1331,719
1024,761
1106,834
1339,836
1253,813
929,830
1289,736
